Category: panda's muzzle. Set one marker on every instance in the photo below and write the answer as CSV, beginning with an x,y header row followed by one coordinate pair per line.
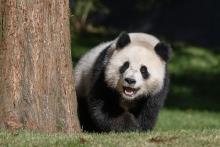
x,y
128,91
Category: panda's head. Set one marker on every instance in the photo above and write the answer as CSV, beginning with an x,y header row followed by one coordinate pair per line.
x,y
137,65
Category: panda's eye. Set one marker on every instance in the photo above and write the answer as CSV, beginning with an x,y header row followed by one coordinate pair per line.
x,y
124,67
144,72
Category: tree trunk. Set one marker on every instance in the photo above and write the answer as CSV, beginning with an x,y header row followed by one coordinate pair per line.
x,y
36,79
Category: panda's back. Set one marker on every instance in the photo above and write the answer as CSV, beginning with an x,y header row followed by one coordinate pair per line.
x,y
83,69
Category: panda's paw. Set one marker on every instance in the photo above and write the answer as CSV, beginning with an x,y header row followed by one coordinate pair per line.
x,y
130,122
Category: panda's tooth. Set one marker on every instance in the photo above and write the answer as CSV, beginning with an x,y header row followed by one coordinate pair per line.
x,y
129,92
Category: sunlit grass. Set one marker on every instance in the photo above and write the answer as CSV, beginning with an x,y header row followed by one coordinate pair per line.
x,y
174,128
187,120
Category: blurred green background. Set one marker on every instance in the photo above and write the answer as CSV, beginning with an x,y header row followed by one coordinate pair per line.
x,y
191,27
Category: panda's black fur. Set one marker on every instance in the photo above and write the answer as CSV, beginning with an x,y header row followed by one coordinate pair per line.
x,y
101,110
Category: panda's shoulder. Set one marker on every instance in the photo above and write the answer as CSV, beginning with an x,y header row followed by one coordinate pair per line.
x,y
90,57
87,60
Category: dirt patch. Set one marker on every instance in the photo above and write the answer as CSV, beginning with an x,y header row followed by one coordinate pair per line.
x,y
160,139
82,140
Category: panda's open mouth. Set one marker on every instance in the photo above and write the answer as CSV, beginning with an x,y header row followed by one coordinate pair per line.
x,y
128,91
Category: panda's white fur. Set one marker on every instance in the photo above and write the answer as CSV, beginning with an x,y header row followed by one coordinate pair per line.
x,y
137,56
83,70
139,52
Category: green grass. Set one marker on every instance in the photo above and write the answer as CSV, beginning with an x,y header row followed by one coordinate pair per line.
x,y
181,138
174,128
172,120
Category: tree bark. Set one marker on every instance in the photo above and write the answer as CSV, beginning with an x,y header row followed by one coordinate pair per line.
x,y
36,79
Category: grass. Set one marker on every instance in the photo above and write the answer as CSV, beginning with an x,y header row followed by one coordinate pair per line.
x,y
191,117
174,128
170,119
182,138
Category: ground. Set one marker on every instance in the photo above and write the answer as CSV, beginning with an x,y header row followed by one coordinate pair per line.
x,y
175,128
191,116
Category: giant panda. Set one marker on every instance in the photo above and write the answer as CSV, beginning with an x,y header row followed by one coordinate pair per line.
x,y
122,84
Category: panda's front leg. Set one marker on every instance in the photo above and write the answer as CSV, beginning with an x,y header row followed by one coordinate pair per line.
x,y
124,122
148,116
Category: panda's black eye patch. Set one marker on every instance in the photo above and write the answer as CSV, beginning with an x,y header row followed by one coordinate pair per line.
x,y
144,72
124,67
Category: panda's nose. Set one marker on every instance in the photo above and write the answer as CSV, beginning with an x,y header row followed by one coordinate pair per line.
x,y
130,81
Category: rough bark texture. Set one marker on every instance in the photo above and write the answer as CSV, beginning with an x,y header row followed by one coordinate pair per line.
x,y
36,78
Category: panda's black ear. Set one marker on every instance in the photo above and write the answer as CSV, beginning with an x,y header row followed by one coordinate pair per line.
x,y
123,40
163,50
